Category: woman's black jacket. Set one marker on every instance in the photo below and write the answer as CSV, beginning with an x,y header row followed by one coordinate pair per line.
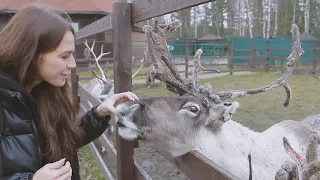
x,y
20,147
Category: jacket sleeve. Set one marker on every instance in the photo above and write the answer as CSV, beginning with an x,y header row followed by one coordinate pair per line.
x,y
93,125
18,176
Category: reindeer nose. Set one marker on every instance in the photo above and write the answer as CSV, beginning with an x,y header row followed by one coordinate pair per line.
x,y
142,105
227,104
120,124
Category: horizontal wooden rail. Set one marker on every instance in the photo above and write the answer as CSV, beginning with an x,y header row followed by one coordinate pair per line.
x,y
103,166
109,147
196,166
105,170
217,41
99,26
147,9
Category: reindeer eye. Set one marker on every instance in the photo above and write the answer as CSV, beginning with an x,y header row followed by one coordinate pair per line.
x,y
193,109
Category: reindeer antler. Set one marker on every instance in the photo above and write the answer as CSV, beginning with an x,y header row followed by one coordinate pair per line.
x,y
87,52
166,72
197,63
305,165
141,66
158,52
293,60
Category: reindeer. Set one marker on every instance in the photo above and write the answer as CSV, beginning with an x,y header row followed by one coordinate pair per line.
x,y
304,166
101,87
200,120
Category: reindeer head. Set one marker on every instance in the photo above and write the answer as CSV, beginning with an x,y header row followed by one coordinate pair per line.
x,y
171,123
176,123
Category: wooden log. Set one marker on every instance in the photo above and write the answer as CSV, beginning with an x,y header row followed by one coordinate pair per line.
x,y
122,47
146,9
99,26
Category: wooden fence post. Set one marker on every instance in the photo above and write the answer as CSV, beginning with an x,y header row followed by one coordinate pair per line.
x,y
187,59
253,52
74,87
122,52
231,58
267,56
314,62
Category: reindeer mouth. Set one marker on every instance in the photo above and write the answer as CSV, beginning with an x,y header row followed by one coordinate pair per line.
x,y
120,124
126,127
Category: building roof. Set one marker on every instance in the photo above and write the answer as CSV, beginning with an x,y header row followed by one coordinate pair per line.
x,y
70,6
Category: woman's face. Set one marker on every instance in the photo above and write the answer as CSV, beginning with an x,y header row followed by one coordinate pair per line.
x,y
55,66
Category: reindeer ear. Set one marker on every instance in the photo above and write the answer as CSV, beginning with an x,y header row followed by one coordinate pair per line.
x,y
219,114
214,119
231,110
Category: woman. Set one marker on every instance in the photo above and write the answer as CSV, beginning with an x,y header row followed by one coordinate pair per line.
x,y
39,124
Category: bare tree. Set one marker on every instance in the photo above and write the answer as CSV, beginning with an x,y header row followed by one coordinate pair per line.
x,y
275,18
307,16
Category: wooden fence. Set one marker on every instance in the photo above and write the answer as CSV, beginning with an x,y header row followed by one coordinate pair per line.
x,y
229,63
193,164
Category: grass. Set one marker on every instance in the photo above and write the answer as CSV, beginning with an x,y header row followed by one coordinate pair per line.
x,y
89,168
257,112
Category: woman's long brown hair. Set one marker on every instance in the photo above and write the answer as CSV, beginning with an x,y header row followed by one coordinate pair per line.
x,y
32,31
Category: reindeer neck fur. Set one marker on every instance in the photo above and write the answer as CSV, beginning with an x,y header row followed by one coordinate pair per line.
x,y
231,146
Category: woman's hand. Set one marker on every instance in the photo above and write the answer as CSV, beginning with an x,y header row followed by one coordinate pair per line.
x,y
54,171
108,107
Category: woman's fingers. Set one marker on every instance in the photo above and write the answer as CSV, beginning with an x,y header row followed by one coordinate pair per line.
x,y
55,165
126,95
64,171
135,97
109,106
67,175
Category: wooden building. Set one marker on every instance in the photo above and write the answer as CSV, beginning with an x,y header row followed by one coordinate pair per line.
x,y
82,13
